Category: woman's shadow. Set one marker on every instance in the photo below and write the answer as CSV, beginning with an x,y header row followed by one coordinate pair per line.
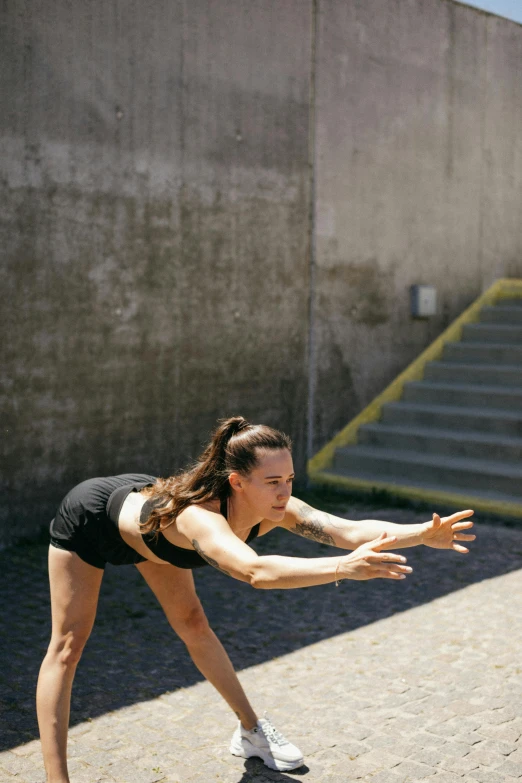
x,y
256,772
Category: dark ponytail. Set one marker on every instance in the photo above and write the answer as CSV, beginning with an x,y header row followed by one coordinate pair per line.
x,y
233,447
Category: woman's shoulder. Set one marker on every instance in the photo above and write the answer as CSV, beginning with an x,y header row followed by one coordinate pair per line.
x,y
199,516
201,509
210,505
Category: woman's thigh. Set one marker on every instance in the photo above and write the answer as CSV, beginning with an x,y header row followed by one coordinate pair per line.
x,y
75,587
174,588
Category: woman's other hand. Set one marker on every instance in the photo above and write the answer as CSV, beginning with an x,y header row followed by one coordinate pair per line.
x,y
369,562
446,532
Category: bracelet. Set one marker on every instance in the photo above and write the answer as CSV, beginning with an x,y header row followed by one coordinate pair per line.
x,y
337,580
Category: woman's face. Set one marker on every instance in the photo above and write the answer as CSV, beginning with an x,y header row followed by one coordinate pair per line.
x,y
268,488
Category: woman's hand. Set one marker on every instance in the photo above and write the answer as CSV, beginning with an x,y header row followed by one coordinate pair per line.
x,y
368,562
444,533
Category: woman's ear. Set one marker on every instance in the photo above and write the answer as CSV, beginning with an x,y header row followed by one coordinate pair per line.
x,y
236,481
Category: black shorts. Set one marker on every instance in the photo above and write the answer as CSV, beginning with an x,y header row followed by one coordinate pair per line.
x,y
83,524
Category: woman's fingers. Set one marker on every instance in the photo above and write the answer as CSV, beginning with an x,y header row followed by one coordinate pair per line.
x,y
381,566
387,574
462,525
399,569
386,557
459,548
383,540
459,515
464,537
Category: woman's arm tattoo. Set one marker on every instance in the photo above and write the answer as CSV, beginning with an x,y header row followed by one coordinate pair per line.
x,y
210,560
312,525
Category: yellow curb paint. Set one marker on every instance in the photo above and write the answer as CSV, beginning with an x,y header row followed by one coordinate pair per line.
x,y
501,289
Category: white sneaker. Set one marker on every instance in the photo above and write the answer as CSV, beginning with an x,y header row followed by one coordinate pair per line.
x,y
268,744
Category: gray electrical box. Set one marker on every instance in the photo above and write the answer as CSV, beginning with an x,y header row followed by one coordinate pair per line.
x,y
423,301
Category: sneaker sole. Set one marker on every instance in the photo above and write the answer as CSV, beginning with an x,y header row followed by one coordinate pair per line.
x,y
268,760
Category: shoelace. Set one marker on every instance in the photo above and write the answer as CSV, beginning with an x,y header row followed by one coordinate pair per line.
x,y
272,733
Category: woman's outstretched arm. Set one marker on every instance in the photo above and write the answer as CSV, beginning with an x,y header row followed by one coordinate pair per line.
x,y
211,536
439,533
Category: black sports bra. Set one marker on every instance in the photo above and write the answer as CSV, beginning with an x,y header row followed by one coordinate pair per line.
x,y
156,542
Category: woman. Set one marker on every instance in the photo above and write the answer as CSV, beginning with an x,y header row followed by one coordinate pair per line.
x,y
241,488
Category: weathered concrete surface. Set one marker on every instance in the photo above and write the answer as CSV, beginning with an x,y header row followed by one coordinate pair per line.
x,y
155,217
418,172
154,220
377,682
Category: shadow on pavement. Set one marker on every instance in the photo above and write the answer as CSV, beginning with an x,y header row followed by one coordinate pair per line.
x,y
133,655
256,770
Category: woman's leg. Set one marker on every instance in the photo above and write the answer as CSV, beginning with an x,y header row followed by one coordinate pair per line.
x,y
175,591
75,586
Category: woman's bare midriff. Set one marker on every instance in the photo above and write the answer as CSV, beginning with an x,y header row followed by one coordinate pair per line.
x,y
129,527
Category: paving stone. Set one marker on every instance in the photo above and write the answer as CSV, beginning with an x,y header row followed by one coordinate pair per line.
x,y
463,707
496,717
29,749
464,724
352,749
17,765
485,756
360,732
503,748
456,750
485,775
428,740
410,770
471,739
129,774
442,730
388,776
431,756
506,732
460,766
510,768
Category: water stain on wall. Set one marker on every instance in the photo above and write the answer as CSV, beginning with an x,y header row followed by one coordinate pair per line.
x,y
336,392
359,292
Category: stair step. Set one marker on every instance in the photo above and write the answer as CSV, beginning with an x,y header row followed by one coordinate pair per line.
x,y
492,333
465,394
501,314
488,374
431,440
427,487
478,352
500,422
453,472
509,302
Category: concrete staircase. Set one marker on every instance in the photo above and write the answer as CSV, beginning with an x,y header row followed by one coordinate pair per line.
x,y
457,432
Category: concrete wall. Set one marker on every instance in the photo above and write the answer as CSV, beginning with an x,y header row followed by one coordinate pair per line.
x,y
418,169
155,217
154,226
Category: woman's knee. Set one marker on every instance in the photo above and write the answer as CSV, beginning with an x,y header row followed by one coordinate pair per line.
x,y
193,625
67,649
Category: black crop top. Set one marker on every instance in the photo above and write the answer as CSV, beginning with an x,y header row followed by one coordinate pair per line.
x,y
156,542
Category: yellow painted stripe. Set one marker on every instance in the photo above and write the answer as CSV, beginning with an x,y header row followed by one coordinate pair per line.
x,y
501,289
456,499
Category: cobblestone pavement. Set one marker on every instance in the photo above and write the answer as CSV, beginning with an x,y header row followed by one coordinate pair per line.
x,y
375,681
